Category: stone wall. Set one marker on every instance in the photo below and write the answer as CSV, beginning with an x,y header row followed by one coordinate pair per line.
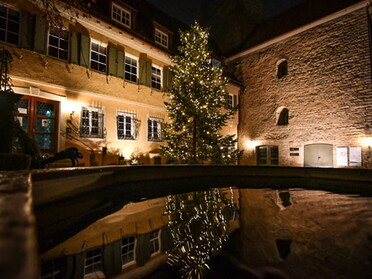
x,y
306,234
327,91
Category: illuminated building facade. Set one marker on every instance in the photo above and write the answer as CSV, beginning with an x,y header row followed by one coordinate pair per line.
x,y
99,84
307,99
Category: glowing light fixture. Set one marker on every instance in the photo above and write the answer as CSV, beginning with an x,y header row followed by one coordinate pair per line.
x,y
367,141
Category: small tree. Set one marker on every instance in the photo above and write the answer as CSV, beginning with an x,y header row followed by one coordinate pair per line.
x,y
197,107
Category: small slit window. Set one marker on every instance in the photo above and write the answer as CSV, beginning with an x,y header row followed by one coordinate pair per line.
x,y
281,68
282,115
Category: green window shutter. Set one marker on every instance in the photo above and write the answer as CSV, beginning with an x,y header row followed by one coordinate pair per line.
x,y
145,72
112,60
120,64
75,42
40,35
84,51
167,79
27,30
148,73
166,239
142,71
111,258
142,249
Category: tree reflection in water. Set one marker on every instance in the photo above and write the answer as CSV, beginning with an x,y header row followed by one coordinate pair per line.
x,y
198,226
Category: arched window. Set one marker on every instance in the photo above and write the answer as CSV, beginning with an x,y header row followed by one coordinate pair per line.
x,y
282,116
281,68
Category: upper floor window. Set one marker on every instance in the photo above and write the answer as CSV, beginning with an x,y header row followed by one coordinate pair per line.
x,y
156,77
121,15
282,116
98,56
161,37
154,242
231,101
58,44
9,25
131,68
92,123
154,129
93,262
281,68
127,250
126,126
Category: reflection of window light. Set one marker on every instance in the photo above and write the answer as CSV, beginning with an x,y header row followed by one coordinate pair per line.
x,y
154,242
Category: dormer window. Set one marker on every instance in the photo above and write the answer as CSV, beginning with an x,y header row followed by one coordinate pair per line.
x,y
121,15
161,38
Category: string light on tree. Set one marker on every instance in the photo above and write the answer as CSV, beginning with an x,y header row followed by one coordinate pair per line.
x,y
197,105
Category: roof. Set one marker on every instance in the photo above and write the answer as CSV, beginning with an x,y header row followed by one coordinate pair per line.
x,y
145,16
295,17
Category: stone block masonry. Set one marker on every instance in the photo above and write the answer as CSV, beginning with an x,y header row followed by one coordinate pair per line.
x,y
327,91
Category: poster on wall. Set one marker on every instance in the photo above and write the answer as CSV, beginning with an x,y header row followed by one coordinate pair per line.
x,y
355,156
342,156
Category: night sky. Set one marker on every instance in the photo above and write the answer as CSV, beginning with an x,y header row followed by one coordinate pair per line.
x,y
189,10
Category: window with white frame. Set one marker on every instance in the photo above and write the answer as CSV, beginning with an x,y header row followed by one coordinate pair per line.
x,y
126,123
92,122
161,37
127,250
349,156
9,25
98,56
93,262
154,242
131,68
230,101
154,129
58,44
121,15
156,77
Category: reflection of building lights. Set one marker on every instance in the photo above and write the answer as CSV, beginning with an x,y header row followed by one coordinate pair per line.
x,y
367,141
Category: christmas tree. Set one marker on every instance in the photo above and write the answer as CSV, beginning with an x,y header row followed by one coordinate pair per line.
x,y
198,226
197,107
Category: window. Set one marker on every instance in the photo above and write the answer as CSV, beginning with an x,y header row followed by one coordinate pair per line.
x,y
154,129
93,262
92,123
127,250
231,101
156,77
131,68
282,115
267,155
126,126
281,68
215,62
58,44
161,38
9,25
349,156
53,269
98,56
154,242
121,15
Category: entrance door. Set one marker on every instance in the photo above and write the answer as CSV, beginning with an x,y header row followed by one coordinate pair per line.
x,y
318,155
39,118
